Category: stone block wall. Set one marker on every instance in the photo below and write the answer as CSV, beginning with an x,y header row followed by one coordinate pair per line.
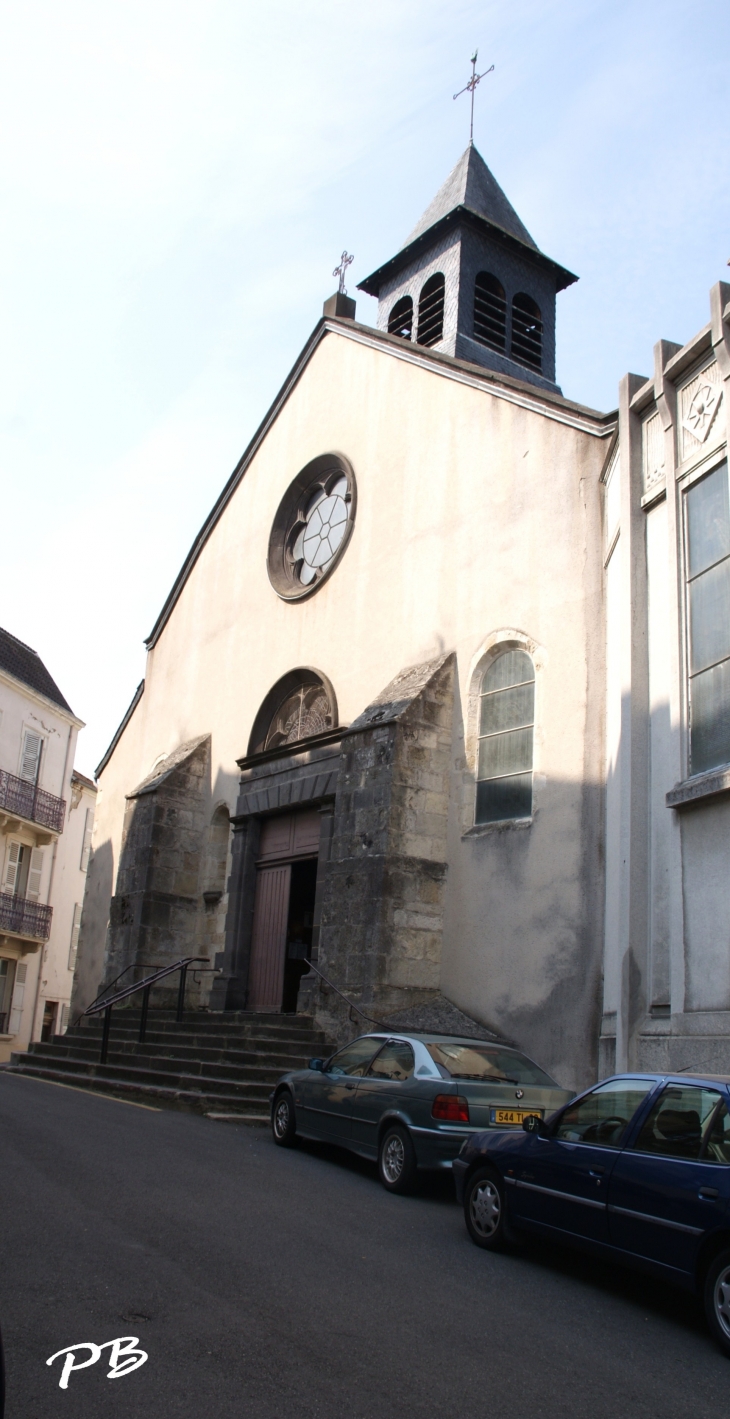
x,y
154,911
382,913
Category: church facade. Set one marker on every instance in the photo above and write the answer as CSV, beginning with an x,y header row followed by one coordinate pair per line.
x,y
425,706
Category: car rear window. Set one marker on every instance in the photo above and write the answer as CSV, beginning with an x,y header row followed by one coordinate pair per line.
x,y
486,1062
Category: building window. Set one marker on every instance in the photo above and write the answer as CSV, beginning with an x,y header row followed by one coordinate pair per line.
x,y
74,943
526,332
506,722
490,311
302,703
30,762
400,320
707,529
86,844
431,311
7,978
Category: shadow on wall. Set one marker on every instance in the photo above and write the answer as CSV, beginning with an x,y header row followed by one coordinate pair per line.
x,y
92,935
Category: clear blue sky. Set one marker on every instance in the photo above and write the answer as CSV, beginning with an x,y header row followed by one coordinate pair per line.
x,y
180,177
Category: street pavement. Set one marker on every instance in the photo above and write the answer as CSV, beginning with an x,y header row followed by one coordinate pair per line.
x,y
274,1284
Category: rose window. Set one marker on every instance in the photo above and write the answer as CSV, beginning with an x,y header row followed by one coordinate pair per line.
x,y
312,526
323,531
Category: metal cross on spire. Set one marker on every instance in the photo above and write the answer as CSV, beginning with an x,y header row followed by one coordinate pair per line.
x,y
341,271
470,89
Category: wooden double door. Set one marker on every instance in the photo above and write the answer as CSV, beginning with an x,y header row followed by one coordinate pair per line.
x,y
283,914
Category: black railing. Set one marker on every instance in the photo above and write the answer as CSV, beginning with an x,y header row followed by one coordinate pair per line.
x,y
19,796
350,1003
145,986
21,917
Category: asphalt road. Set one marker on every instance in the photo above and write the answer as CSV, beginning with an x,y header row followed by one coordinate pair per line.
x,y
273,1284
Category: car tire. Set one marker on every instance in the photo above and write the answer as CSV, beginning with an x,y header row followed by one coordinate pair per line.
x,y
397,1160
484,1210
284,1120
717,1298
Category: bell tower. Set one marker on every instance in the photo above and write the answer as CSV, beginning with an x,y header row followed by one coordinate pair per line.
x,y
471,282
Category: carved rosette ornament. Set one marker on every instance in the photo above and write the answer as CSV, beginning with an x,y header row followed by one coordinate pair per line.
x,y
312,526
699,401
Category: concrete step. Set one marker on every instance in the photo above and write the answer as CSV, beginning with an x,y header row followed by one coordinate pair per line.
x,y
220,1067
212,1063
165,1096
251,1091
274,1061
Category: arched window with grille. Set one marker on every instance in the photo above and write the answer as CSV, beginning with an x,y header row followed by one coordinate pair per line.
x,y
526,332
400,320
506,725
490,311
431,310
301,704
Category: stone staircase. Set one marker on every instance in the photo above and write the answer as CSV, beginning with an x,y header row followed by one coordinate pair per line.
x,y
221,1065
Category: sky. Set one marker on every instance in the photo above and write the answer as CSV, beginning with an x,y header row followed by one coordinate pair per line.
x,y
179,178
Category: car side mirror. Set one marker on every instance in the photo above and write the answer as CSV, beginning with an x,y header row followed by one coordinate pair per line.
x,y
533,1124
316,1064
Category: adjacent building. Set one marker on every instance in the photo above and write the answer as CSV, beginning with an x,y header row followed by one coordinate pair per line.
x,y
438,700
46,819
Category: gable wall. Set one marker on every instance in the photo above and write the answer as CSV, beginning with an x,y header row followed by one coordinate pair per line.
x,y
473,515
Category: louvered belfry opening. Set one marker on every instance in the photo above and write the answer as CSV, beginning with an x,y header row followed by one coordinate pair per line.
x,y
526,332
400,320
490,311
431,311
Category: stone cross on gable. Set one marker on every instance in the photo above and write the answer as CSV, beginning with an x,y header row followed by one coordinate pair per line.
x,y
341,271
470,88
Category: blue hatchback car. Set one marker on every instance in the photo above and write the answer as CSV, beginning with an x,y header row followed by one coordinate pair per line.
x,y
636,1170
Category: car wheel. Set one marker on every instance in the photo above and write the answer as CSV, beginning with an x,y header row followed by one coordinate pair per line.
x,y
717,1299
484,1212
283,1120
397,1160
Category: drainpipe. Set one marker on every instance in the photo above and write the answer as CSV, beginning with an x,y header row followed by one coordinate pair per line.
x,y
50,889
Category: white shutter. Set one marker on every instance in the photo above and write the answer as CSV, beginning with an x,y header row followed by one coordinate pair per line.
x,y
16,1009
64,1020
31,761
12,864
75,929
86,847
33,889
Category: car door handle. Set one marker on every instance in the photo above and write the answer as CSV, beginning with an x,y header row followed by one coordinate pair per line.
x,y
350,1084
597,1172
709,1193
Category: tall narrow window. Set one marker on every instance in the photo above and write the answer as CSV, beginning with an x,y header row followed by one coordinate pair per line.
x,y
490,311
506,721
526,332
86,844
31,761
400,320
75,930
431,311
707,523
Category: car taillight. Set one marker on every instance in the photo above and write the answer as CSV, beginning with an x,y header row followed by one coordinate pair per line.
x,y
452,1108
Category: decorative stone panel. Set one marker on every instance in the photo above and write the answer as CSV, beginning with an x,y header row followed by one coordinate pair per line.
x,y
653,453
699,400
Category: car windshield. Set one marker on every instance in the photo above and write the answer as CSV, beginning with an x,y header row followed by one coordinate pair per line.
x,y
487,1062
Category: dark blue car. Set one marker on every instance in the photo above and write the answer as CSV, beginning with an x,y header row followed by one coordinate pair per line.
x,y
636,1170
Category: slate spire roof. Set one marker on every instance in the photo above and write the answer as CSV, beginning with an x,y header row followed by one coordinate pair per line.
x,y
470,196
25,664
470,184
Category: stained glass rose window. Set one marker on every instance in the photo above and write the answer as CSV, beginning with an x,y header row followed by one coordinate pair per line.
x,y
312,526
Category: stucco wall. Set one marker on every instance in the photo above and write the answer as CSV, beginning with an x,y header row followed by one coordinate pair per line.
x,y
474,514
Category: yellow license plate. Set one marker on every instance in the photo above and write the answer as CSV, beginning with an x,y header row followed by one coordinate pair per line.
x,y
512,1116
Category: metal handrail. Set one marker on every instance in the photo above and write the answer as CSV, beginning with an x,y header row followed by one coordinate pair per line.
x,y
145,986
348,1002
135,966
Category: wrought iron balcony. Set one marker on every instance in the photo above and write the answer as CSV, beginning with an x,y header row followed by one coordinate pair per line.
x,y
32,803
21,917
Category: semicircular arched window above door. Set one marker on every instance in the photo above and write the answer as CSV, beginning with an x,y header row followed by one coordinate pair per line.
x,y
300,704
